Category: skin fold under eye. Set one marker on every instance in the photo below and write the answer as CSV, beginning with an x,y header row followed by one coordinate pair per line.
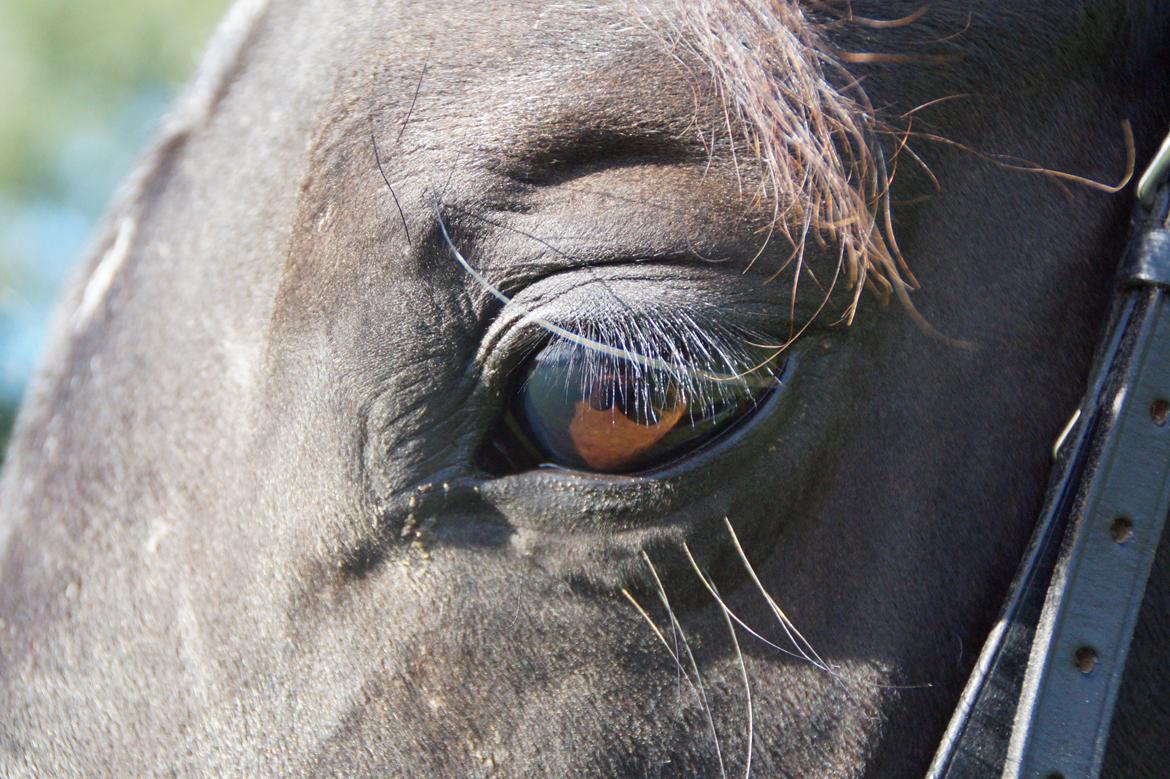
x,y
595,407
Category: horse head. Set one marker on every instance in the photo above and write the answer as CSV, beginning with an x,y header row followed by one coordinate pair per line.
x,y
576,389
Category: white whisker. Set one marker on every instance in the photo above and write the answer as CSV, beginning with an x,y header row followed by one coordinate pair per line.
x,y
711,589
802,644
680,672
694,665
747,685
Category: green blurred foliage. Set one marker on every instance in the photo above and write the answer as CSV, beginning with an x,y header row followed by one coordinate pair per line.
x,y
83,84
70,64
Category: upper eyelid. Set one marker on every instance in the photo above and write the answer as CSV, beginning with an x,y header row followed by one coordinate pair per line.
x,y
733,343
496,273
513,235
509,277
524,313
550,327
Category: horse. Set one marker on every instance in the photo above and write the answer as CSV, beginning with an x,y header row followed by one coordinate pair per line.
x,y
573,389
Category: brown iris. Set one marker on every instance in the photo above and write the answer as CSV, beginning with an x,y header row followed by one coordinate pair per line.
x,y
600,413
609,439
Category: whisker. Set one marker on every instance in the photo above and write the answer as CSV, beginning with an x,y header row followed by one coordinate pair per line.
x,y
747,685
790,629
657,632
694,665
751,631
417,89
787,624
530,236
386,179
649,621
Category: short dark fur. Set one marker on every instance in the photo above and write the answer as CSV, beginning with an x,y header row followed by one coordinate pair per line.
x,y
243,532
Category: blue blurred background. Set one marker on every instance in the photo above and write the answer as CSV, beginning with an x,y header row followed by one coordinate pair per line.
x,y
85,84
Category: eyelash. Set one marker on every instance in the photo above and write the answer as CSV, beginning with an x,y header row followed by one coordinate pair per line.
x,y
706,363
745,355
633,381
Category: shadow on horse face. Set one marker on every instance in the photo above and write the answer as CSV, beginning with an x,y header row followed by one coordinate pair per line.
x,y
251,528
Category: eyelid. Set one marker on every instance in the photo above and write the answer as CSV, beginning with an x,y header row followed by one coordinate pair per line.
x,y
550,327
608,305
713,345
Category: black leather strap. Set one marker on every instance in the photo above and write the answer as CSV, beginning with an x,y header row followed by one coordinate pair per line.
x,y
1040,700
1148,260
1078,655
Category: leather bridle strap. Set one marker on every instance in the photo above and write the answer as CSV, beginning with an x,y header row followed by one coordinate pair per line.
x,y
1040,700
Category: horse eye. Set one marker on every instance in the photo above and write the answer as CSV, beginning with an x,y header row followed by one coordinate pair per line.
x,y
587,411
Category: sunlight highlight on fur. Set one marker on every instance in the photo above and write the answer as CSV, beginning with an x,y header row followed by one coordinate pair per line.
x,y
819,163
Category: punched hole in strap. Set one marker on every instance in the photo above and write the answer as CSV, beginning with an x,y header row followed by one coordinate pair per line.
x,y
1159,411
1121,530
1085,659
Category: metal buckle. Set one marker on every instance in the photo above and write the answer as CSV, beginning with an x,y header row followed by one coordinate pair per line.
x,y
1155,174
1147,258
1068,428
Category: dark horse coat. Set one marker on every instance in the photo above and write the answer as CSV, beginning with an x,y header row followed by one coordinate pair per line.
x,y
252,523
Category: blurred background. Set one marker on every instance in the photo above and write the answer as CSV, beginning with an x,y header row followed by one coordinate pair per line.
x,y
85,83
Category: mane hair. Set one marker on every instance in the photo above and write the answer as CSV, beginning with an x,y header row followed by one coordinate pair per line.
x,y
809,128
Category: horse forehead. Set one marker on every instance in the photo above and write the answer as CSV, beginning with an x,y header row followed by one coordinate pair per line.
x,y
444,101
513,60
475,38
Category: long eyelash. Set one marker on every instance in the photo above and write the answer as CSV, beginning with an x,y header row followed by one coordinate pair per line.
x,y
707,363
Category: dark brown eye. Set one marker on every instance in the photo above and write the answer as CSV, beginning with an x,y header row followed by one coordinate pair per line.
x,y
576,408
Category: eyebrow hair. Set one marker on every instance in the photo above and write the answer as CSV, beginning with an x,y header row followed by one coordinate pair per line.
x,y
822,169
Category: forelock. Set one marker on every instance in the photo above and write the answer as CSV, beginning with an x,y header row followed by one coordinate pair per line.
x,y
796,114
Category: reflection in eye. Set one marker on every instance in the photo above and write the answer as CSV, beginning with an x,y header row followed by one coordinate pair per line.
x,y
578,408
